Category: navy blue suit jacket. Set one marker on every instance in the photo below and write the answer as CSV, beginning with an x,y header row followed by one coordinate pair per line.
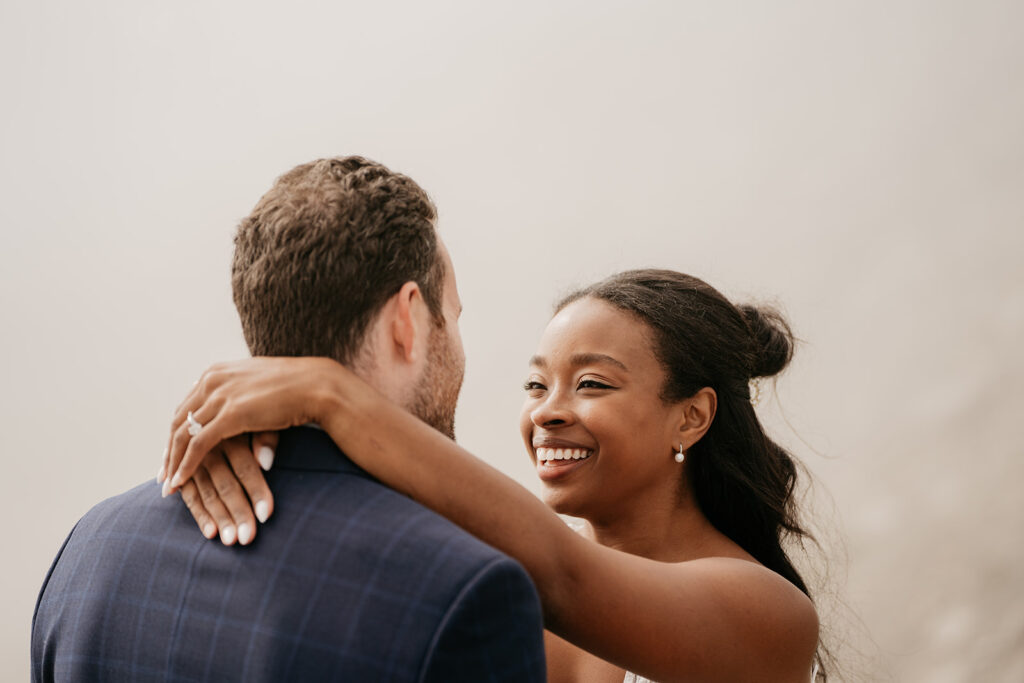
x,y
348,581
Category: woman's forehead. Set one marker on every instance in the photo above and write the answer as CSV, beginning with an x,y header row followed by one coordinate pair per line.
x,y
594,331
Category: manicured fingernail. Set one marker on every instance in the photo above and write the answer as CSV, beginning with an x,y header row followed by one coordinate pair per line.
x,y
265,457
209,530
227,535
176,480
166,489
244,533
262,510
160,474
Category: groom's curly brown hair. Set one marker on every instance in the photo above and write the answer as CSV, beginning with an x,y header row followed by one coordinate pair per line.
x,y
322,252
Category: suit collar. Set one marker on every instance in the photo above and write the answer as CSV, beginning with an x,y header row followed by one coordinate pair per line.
x,y
311,448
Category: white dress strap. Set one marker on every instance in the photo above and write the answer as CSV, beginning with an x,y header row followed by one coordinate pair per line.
x,y
633,678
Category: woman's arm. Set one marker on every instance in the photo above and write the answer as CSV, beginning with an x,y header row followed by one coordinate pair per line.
x,y
711,619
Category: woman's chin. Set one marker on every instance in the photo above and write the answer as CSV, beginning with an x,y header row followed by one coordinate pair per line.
x,y
561,501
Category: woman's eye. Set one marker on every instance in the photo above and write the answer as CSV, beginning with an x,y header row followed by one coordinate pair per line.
x,y
592,384
533,386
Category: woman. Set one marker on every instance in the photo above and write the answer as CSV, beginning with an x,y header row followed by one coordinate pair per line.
x,y
639,420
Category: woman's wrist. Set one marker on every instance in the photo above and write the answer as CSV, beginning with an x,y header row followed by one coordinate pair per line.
x,y
334,403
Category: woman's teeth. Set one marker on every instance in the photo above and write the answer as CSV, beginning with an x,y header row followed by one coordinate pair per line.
x,y
546,454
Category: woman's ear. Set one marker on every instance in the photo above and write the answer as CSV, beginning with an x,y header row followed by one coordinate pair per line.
x,y
698,412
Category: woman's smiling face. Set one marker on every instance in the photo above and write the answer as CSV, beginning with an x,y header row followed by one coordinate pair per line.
x,y
594,422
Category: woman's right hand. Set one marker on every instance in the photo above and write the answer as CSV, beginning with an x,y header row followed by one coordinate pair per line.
x,y
228,488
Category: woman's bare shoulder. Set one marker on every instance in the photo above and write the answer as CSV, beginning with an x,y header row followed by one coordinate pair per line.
x,y
776,613
712,618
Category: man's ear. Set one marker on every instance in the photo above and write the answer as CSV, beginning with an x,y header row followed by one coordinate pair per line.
x,y
409,325
698,412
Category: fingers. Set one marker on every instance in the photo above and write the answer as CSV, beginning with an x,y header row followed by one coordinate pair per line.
x,y
180,439
264,445
188,450
194,502
203,389
193,449
243,463
228,489
191,402
215,508
161,474
243,396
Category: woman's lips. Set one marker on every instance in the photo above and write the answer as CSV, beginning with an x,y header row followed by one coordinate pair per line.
x,y
547,454
555,463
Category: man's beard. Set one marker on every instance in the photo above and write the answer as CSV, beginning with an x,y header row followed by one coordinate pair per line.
x,y
438,390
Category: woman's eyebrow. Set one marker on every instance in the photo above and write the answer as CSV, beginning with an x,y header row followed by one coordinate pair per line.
x,y
579,359
596,359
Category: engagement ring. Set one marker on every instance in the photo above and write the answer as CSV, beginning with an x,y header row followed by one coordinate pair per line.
x,y
193,424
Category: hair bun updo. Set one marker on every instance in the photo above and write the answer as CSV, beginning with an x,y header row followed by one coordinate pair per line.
x,y
771,340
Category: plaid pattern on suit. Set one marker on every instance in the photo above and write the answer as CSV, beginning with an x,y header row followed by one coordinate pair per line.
x,y
348,581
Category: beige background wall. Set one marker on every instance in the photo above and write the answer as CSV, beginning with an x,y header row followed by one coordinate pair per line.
x,y
860,162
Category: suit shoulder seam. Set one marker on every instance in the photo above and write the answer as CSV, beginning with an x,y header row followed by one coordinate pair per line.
x,y
49,573
452,607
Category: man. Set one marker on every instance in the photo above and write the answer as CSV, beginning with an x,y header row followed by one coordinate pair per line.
x,y
349,580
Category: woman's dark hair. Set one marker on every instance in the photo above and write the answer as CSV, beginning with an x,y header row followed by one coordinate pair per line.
x,y
743,481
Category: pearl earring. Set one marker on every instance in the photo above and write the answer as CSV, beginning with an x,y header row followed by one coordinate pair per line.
x,y
680,456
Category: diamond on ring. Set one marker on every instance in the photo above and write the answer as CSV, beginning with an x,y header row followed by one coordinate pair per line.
x,y
193,424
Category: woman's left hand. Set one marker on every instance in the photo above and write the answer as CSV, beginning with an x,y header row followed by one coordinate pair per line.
x,y
239,397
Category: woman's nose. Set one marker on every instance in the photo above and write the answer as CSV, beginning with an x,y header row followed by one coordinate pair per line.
x,y
552,411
